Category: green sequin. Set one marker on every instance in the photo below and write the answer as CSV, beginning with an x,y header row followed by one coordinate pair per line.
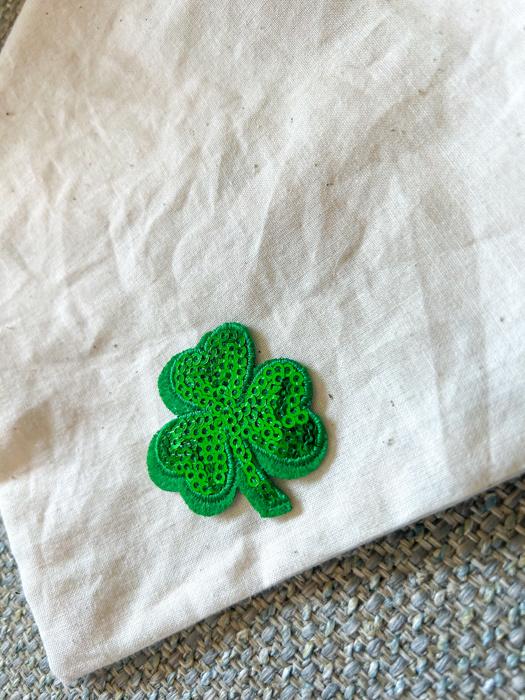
x,y
236,424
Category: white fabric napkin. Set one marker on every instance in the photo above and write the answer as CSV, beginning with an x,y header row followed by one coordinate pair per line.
x,y
344,178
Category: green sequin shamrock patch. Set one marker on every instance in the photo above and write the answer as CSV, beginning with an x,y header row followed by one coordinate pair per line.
x,y
236,423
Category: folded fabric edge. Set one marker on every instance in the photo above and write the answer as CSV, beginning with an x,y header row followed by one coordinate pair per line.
x,y
70,673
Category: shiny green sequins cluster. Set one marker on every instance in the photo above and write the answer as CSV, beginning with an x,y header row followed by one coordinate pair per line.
x,y
236,424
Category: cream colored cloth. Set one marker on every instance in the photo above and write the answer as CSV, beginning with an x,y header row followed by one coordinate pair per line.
x,y
346,179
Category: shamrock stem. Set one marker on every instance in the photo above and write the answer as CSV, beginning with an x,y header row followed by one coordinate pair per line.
x,y
258,488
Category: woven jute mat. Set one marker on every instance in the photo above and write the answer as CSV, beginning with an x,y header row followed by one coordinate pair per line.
x,y
9,10
434,610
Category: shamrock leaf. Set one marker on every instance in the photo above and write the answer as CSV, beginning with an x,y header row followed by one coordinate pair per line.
x,y
236,424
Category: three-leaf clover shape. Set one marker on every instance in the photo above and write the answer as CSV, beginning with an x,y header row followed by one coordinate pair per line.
x,y
236,424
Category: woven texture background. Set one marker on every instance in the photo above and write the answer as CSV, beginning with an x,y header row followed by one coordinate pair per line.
x,y
433,610
9,10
